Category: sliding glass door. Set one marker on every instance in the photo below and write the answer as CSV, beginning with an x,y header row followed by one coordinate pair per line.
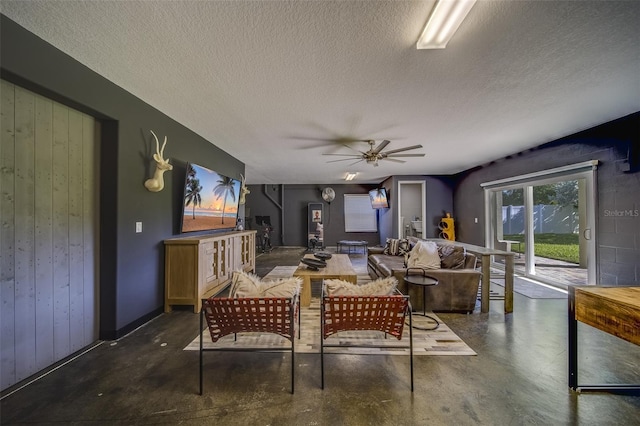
x,y
547,221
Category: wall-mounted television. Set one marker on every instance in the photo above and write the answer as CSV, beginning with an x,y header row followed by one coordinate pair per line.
x,y
379,198
210,200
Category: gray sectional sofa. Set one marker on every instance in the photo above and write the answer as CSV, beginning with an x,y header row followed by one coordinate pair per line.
x,y
457,289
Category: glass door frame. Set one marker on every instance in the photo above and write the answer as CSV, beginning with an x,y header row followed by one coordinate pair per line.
x,y
586,171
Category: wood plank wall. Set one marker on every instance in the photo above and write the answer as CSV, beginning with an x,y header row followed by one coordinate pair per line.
x,y
48,232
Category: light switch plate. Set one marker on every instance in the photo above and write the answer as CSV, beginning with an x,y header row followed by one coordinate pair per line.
x,y
138,227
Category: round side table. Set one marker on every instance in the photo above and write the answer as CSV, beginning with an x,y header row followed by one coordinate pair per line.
x,y
423,280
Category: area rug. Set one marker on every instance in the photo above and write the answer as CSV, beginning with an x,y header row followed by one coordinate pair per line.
x,y
528,288
442,341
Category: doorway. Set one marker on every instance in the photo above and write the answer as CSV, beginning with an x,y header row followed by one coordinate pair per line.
x,y
412,208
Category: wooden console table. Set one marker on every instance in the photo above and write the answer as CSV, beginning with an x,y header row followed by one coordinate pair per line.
x,y
615,310
201,266
485,254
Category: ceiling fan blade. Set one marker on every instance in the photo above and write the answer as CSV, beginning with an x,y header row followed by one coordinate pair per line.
x,y
394,160
321,142
404,155
359,161
403,149
342,159
345,155
353,149
380,147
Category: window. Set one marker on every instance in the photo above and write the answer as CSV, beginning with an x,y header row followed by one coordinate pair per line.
x,y
359,216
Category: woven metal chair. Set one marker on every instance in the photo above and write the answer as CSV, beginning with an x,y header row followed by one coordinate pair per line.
x,y
377,313
225,316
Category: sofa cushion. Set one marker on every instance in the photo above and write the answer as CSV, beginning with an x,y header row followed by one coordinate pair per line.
x,y
386,264
379,287
249,285
424,255
396,247
451,257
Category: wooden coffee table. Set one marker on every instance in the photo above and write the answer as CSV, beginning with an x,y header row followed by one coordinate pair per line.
x,y
338,267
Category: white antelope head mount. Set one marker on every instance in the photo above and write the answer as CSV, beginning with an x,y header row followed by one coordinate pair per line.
x,y
243,191
156,183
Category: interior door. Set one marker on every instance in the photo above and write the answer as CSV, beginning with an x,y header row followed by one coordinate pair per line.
x,y
48,251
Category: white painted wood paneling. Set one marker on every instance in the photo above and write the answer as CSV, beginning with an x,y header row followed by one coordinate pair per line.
x,y
44,232
76,255
48,233
25,306
90,220
61,230
7,234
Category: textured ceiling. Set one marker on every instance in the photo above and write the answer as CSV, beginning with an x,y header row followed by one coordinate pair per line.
x,y
276,83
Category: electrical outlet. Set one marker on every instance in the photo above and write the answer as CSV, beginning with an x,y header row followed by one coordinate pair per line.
x,y
138,227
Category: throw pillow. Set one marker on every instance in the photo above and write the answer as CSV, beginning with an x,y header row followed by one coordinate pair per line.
x,y
451,257
249,285
379,287
396,247
424,255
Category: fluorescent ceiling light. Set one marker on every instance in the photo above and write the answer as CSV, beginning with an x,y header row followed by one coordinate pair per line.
x,y
350,176
446,17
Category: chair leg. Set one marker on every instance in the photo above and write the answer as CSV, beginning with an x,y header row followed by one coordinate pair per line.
x,y
321,362
321,344
201,351
293,363
411,347
292,335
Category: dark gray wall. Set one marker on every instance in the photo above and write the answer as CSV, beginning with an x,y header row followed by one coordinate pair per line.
x,y
439,201
388,218
131,265
294,199
265,199
618,243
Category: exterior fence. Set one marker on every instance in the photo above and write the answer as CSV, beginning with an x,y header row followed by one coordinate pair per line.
x,y
547,219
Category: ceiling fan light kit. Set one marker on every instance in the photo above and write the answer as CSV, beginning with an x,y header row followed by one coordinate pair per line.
x,y
375,154
446,17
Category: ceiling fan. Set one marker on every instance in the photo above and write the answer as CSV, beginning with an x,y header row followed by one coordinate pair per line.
x,y
375,154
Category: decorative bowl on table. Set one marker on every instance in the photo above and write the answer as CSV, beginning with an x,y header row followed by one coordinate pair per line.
x,y
313,264
322,255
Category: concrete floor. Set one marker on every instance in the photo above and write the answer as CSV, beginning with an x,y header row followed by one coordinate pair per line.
x,y
519,377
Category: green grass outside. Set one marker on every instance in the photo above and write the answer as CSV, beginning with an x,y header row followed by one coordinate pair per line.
x,y
552,246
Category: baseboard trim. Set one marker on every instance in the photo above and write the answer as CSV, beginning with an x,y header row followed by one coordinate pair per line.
x,y
121,332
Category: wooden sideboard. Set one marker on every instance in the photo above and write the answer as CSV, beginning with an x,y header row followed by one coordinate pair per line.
x,y
202,266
